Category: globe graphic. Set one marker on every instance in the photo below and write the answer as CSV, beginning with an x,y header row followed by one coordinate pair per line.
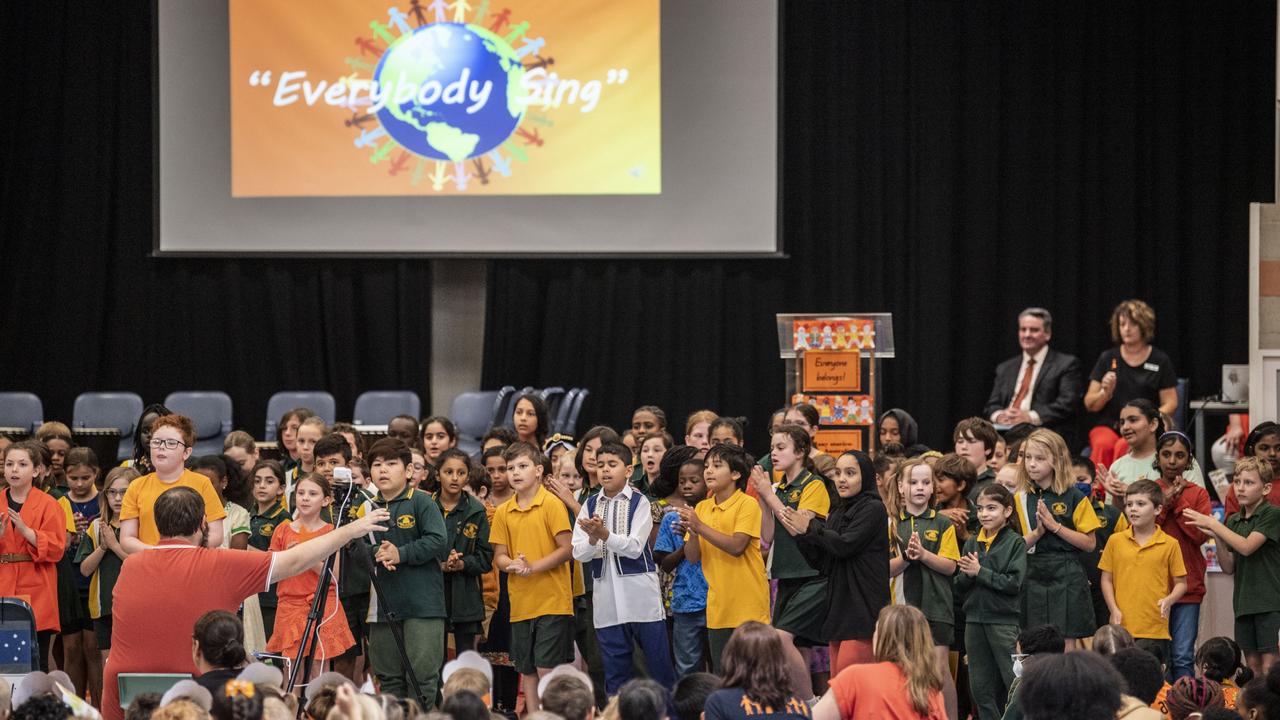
x,y
435,121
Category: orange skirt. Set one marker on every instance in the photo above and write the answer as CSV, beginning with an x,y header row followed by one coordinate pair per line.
x,y
291,619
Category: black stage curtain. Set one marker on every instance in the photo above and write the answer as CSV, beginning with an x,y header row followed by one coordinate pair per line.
x,y
85,307
951,163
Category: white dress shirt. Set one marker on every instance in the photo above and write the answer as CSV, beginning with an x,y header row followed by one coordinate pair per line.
x,y
1031,389
619,599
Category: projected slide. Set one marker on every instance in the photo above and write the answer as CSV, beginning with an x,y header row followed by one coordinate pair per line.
x,y
445,97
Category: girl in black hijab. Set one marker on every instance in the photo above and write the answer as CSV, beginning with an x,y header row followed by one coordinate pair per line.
x,y
852,547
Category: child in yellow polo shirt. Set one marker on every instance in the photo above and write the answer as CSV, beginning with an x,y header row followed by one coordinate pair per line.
x,y
172,439
1142,570
531,539
727,527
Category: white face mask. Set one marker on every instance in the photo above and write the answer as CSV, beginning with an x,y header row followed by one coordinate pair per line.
x,y
1017,664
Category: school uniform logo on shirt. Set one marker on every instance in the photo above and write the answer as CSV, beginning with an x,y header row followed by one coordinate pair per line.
x,y
752,708
1059,508
931,535
469,530
266,529
794,496
404,522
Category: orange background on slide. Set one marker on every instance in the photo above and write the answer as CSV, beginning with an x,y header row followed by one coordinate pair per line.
x,y
307,150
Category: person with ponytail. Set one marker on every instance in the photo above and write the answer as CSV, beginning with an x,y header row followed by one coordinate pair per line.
x,y
1173,458
1260,698
1221,660
798,610
238,700
217,649
905,681
1141,425
1190,695
808,417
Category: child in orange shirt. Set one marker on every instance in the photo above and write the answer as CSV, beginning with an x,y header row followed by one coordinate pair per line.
x,y
33,538
311,496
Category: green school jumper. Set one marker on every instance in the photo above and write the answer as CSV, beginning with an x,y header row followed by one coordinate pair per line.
x,y
415,590
261,527
1057,591
922,587
639,480
467,528
991,608
800,605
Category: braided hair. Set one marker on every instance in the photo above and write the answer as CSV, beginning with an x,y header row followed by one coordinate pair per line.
x,y
1192,694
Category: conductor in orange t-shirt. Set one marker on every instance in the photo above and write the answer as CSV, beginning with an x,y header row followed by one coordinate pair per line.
x,y
163,590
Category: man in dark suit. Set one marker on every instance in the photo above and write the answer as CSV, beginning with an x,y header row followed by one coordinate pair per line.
x,y
1040,386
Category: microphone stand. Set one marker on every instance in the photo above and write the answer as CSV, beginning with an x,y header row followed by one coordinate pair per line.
x,y
364,554
311,631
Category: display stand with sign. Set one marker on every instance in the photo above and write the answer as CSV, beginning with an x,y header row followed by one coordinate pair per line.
x,y
833,363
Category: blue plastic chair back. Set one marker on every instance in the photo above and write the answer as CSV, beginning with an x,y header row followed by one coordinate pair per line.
x,y
472,416
376,407
317,401
554,398
119,410
506,394
560,417
571,424
210,411
21,410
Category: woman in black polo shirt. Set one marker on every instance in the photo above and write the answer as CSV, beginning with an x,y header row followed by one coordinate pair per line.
x,y
1133,369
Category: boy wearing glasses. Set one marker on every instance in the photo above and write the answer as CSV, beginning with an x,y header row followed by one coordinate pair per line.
x,y
171,439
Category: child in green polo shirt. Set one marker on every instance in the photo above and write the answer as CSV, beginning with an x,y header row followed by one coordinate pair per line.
x,y
470,555
1253,537
410,552
798,611
926,562
268,513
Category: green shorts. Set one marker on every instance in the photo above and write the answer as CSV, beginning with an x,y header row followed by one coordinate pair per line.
x,y
801,608
1258,633
943,633
717,638
541,642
